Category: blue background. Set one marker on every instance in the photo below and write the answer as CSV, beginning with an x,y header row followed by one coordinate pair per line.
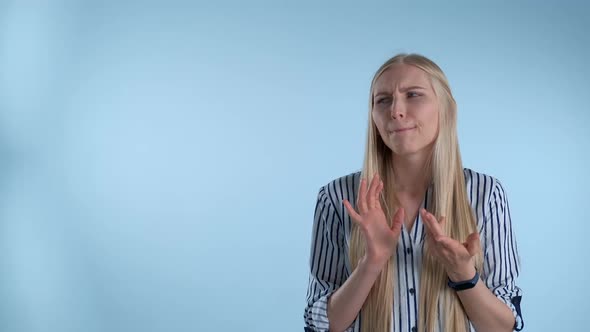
x,y
160,161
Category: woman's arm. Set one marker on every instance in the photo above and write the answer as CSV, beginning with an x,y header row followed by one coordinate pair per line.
x,y
485,311
501,266
327,263
345,304
381,241
337,306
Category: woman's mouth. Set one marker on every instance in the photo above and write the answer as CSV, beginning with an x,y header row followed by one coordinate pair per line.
x,y
402,130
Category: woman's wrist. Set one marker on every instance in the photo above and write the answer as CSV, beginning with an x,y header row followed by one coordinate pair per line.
x,y
462,274
373,264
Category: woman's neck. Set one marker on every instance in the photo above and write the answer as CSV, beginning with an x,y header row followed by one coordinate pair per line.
x,y
411,173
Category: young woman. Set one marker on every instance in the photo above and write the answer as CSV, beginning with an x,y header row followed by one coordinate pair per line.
x,y
428,245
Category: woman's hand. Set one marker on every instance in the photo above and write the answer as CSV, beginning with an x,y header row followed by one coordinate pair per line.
x,y
456,257
381,239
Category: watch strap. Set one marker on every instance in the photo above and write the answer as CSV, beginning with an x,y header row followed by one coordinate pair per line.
x,y
463,285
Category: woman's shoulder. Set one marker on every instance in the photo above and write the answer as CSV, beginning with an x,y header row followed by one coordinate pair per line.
x,y
343,187
480,179
481,188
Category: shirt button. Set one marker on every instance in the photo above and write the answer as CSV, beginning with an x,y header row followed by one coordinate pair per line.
x,y
412,291
414,329
408,251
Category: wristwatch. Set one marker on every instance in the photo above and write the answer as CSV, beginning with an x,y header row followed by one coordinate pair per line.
x,y
463,285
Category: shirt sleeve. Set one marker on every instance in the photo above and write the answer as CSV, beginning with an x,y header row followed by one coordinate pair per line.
x,y
327,264
501,259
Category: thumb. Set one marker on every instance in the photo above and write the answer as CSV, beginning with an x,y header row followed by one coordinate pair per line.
x,y
473,244
398,219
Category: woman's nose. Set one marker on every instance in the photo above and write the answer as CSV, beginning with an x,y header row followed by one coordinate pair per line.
x,y
397,110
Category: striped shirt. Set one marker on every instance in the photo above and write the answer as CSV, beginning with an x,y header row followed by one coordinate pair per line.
x,y
330,265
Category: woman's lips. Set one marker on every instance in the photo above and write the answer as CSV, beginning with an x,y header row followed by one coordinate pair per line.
x,y
403,130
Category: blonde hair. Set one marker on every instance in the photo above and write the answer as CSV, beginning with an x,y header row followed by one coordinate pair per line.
x,y
449,199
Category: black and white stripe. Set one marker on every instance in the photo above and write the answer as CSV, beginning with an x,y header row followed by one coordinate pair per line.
x,y
330,265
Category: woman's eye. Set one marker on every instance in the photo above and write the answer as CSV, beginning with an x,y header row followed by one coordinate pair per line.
x,y
412,94
382,100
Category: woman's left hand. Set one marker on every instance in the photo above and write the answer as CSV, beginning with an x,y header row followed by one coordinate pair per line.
x,y
456,257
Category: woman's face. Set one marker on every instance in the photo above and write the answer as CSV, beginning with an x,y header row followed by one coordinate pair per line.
x,y
405,110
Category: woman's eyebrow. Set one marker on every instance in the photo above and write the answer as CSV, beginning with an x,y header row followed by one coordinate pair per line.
x,y
382,93
402,89
413,87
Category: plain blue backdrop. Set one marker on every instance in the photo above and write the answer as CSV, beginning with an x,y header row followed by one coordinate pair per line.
x,y
160,161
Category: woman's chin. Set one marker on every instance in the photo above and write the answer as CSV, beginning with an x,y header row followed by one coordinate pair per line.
x,y
406,151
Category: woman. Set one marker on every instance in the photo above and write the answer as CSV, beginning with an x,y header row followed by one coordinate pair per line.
x,y
446,259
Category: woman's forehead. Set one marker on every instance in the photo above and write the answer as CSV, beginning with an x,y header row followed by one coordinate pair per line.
x,y
400,77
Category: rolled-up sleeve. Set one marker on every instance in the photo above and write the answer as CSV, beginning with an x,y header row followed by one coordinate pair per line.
x,y
327,263
501,259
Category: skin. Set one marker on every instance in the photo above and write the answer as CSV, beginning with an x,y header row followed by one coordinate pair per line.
x,y
404,98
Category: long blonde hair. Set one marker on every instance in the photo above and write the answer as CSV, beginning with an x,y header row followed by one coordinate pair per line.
x,y
449,199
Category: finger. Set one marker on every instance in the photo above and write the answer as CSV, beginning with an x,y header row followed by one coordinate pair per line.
x,y
355,216
431,223
429,235
372,190
442,222
362,201
398,220
437,228
426,222
430,240
433,227
432,248
473,244
377,197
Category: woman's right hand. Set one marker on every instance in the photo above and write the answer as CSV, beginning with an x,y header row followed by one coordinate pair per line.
x,y
381,239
